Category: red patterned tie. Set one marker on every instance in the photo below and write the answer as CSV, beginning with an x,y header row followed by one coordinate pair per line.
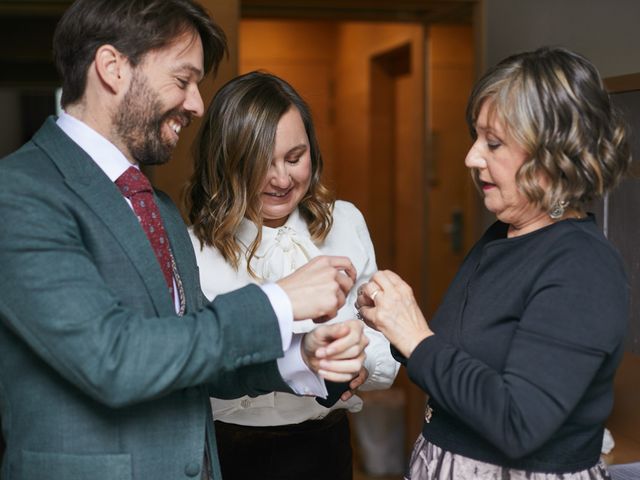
x,y
136,187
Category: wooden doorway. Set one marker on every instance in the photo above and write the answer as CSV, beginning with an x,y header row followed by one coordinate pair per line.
x,y
396,156
385,68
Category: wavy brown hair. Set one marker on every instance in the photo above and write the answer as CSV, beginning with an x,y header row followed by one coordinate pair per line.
x,y
553,103
233,152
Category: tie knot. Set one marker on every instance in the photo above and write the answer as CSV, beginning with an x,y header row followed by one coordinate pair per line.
x,y
133,181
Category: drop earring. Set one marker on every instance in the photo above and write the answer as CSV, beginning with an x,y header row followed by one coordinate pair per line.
x,y
557,211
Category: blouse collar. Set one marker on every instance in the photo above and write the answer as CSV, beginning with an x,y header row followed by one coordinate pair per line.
x,y
282,250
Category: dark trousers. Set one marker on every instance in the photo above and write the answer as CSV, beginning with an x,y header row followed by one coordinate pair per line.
x,y
312,450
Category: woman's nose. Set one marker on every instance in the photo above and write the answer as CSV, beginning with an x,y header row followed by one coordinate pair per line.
x,y
475,157
279,175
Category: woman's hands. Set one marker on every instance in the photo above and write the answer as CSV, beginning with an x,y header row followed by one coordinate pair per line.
x,y
386,304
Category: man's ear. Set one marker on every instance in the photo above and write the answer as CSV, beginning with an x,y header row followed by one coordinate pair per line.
x,y
112,68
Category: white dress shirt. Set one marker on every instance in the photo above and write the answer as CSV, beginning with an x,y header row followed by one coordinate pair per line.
x,y
281,251
113,163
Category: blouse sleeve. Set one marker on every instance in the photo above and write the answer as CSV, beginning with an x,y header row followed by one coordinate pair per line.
x,y
216,275
379,362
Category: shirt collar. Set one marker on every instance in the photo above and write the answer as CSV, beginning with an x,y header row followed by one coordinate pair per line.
x,y
106,155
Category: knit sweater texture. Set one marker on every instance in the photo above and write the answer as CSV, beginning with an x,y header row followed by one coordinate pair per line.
x,y
527,341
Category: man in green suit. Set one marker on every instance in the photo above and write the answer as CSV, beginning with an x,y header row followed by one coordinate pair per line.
x,y
107,361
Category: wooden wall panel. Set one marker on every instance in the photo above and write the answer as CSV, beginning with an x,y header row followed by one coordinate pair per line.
x,y
302,53
452,197
382,159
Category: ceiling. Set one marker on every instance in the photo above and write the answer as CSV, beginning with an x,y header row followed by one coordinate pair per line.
x,y
26,26
424,11
429,11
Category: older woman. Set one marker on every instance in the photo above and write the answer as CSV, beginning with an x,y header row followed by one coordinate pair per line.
x,y
258,211
519,359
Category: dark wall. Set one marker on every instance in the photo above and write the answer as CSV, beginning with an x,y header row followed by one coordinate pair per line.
x,y
620,215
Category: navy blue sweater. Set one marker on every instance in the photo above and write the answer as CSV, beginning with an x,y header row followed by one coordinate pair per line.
x,y
527,340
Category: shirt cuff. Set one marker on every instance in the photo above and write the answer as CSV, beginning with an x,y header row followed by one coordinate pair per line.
x,y
283,309
297,375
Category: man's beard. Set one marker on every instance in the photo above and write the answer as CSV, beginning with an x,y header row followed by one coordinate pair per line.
x,y
139,121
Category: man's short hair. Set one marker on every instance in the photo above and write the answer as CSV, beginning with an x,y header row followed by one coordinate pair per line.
x,y
134,27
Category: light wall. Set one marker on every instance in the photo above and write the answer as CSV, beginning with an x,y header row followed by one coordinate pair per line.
x,y
358,43
605,31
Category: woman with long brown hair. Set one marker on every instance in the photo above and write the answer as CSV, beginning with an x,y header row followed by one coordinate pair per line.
x,y
258,210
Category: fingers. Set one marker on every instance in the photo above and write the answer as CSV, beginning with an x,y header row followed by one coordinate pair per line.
x,y
341,370
346,395
355,384
335,351
345,282
380,281
393,277
360,379
329,333
319,289
345,265
340,299
394,311
363,299
347,340
383,279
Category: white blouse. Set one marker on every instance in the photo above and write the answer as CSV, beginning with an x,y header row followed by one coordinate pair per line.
x,y
281,251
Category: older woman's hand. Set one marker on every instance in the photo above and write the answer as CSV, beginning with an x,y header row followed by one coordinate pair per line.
x,y
387,304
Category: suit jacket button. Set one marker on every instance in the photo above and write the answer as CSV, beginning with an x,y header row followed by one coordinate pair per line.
x,y
192,469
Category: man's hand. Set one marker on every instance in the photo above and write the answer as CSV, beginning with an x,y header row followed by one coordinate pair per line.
x,y
336,351
318,289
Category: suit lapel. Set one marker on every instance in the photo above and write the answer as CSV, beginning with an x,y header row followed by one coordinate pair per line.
x,y
101,195
181,248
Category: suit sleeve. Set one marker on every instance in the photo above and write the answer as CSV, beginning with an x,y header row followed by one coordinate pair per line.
x,y
56,301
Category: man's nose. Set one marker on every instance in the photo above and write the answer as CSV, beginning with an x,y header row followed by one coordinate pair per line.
x,y
193,103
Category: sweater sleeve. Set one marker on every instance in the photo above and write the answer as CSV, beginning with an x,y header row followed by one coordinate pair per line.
x,y
573,321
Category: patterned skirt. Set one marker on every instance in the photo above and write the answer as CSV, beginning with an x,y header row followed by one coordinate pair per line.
x,y
429,462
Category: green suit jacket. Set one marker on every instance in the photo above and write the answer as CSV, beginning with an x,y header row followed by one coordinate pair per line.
x,y
99,378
